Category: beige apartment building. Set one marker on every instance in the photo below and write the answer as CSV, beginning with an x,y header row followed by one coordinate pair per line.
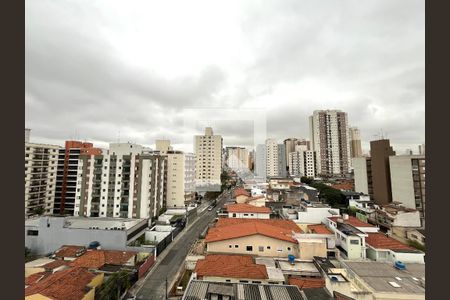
x,y
355,142
272,158
208,158
238,158
41,162
330,140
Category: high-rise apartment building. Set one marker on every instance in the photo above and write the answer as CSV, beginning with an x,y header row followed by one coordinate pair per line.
x,y
330,141
27,135
238,158
41,162
69,175
124,182
407,174
260,161
380,151
422,149
302,163
355,142
282,162
208,158
290,144
272,158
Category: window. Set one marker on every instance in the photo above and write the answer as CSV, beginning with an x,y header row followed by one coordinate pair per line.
x,y
288,248
33,232
243,281
256,281
261,248
230,246
280,249
236,246
268,247
354,242
249,248
227,280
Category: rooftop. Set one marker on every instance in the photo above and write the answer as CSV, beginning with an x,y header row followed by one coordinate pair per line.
x,y
95,259
307,283
319,229
320,293
381,241
102,223
394,209
379,275
68,285
247,208
198,289
241,192
351,221
36,277
285,224
247,229
69,251
234,266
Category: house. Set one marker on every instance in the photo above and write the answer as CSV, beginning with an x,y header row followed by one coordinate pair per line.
x,y
393,216
69,252
106,261
243,210
45,234
383,248
258,201
233,268
241,195
70,284
314,212
350,234
416,235
316,241
260,237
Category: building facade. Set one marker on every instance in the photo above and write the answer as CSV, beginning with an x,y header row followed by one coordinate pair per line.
x,y
41,162
208,158
272,158
330,139
407,174
238,158
69,174
260,161
355,142
302,163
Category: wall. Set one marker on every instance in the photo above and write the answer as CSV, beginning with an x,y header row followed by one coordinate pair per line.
x,y
241,199
51,238
315,215
255,241
407,219
234,280
249,215
309,248
402,180
360,175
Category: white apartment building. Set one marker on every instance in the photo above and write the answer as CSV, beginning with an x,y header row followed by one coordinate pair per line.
x,y
238,158
272,158
208,158
408,181
302,163
330,139
260,161
41,162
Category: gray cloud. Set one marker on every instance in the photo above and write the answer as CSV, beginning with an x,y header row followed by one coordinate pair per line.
x,y
292,57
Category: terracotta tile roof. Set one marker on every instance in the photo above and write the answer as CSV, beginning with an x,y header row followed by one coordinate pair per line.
x,y
307,283
69,251
234,266
339,296
285,224
255,198
319,229
95,259
36,277
343,186
381,241
241,192
246,229
352,221
55,264
247,208
64,285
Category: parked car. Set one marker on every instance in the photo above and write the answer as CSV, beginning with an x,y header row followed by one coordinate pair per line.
x,y
210,208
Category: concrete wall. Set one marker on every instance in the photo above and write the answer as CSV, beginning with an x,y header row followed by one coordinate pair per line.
x,y
55,235
255,241
249,215
360,173
402,180
315,215
234,280
308,248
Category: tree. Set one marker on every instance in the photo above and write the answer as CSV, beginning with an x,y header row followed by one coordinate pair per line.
x,y
114,286
306,180
38,210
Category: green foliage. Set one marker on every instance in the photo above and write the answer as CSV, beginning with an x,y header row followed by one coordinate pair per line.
x,y
114,286
417,245
332,196
306,180
38,210
352,211
162,210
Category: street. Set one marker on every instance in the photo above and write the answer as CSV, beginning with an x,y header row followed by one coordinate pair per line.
x,y
154,286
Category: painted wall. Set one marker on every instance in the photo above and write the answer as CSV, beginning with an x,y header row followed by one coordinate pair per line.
x,y
229,246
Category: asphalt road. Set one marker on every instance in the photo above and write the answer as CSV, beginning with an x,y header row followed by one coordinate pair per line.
x,y
154,286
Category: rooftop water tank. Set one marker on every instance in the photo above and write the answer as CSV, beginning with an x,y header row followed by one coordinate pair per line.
x,y
291,259
399,265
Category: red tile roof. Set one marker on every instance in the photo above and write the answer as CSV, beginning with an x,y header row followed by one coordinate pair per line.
x,y
247,208
64,285
381,241
95,259
69,251
343,186
319,229
55,264
307,283
352,221
241,192
222,233
285,224
234,266
255,198
36,277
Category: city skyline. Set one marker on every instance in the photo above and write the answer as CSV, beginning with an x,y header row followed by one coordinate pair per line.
x,y
97,71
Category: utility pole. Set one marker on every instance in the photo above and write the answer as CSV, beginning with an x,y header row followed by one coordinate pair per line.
x,y
166,287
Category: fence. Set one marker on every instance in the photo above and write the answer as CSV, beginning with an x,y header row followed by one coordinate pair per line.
x,y
167,240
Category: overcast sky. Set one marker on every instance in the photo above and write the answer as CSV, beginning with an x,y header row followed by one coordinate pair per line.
x,y
137,71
